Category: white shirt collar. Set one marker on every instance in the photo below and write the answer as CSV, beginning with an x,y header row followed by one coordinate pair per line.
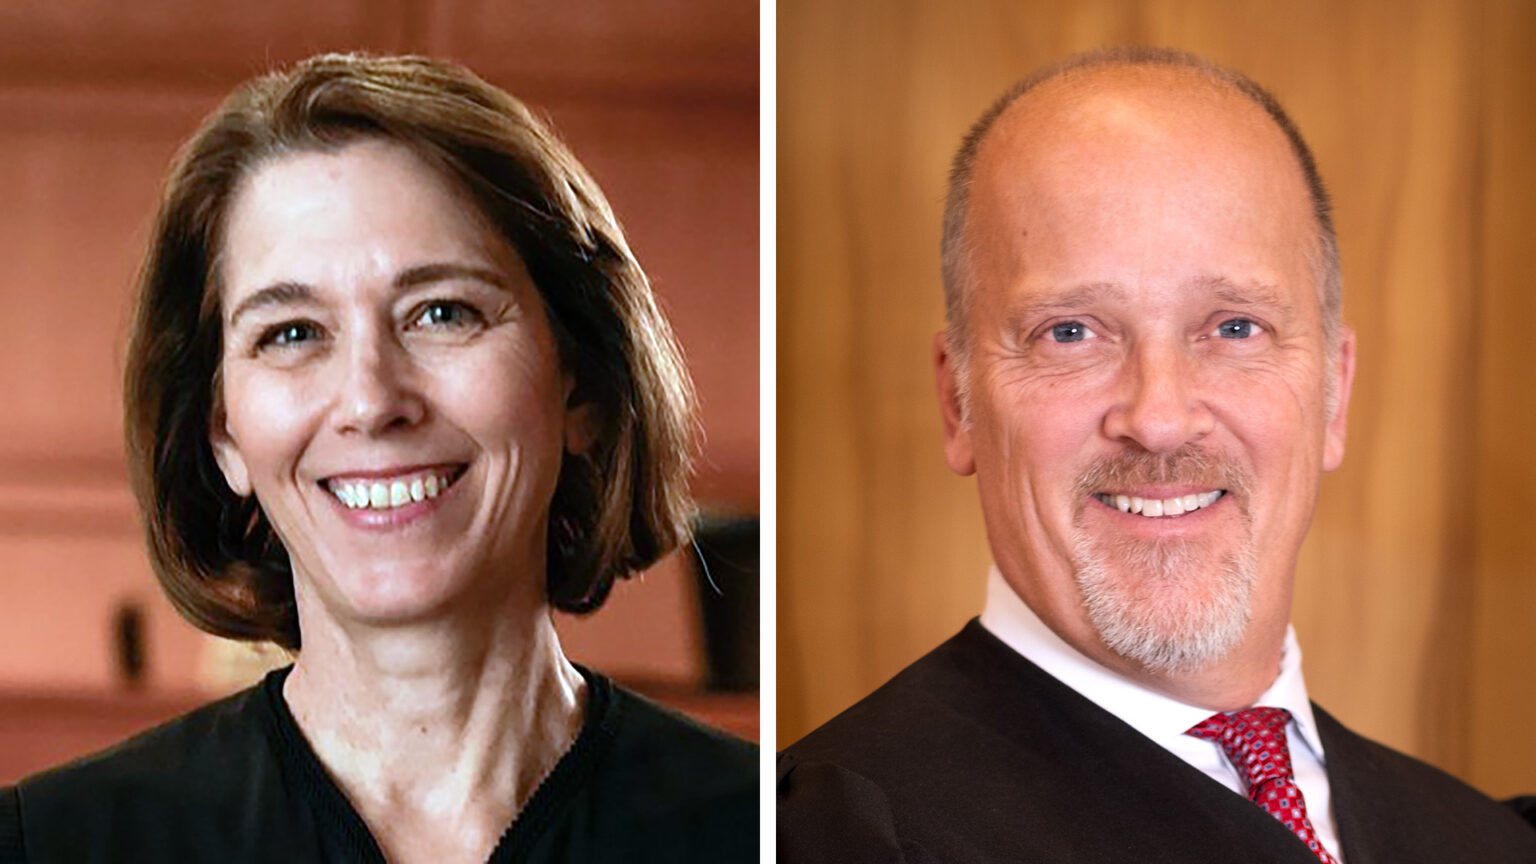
x,y
1158,717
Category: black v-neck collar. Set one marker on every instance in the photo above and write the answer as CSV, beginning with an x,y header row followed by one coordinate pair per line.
x,y
304,774
1021,701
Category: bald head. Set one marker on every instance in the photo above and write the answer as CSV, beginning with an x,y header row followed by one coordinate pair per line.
x,y
1124,115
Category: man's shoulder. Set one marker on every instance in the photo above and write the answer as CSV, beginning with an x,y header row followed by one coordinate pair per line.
x,y
967,688
835,785
968,709
903,708
1417,810
1355,760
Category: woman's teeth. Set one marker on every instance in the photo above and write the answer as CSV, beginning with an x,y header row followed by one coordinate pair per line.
x,y
388,494
1154,507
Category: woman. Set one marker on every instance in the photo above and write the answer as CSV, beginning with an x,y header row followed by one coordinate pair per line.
x,y
397,386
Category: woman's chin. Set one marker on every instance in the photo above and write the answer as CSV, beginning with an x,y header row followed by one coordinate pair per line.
x,y
404,595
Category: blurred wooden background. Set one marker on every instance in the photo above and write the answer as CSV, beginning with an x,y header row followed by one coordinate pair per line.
x,y
1417,586
659,100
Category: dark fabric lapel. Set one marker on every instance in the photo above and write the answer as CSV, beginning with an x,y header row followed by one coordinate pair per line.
x,y
1096,775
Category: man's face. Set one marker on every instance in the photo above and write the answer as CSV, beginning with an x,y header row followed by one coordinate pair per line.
x,y
1147,369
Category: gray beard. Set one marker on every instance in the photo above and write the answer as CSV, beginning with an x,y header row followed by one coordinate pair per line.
x,y
1160,606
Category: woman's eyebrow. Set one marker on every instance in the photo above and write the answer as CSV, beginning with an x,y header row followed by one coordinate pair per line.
x,y
276,294
286,293
442,271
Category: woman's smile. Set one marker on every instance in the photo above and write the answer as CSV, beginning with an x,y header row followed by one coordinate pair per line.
x,y
392,489
392,498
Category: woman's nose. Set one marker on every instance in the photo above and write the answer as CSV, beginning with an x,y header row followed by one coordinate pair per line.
x,y
377,391
1162,406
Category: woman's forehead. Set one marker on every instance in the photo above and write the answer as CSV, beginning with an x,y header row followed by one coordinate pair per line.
x,y
372,209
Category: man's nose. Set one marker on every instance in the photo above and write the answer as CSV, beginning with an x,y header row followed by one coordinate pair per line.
x,y
378,389
1161,405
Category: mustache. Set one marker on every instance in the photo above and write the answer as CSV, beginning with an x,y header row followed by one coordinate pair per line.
x,y
1189,464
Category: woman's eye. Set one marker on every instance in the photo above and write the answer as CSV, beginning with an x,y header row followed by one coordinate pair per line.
x,y
288,334
1070,331
446,314
1237,328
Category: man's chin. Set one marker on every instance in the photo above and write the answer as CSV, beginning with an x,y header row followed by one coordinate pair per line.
x,y
1170,609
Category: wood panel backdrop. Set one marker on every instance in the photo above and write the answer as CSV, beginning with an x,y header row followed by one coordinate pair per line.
x,y
1417,585
659,100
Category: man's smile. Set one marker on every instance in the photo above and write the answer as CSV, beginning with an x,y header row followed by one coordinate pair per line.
x,y
1155,508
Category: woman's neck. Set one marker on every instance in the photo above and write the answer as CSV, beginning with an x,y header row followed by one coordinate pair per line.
x,y
438,732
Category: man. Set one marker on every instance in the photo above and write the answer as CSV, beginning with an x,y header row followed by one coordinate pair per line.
x,y
1145,369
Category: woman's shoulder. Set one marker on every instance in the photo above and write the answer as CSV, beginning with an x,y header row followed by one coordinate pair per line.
x,y
11,849
676,761
645,783
181,757
666,740
185,772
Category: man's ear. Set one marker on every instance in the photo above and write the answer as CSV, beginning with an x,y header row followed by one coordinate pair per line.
x,y
957,434
1341,372
227,453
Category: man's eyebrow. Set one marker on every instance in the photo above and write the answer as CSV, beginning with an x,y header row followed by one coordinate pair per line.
x,y
1253,293
1066,300
288,293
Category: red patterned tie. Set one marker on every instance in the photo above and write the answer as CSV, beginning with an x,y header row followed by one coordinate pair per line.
x,y
1254,739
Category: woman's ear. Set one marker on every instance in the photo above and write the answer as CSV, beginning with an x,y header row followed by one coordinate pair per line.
x,y
227,453
580,427
582,419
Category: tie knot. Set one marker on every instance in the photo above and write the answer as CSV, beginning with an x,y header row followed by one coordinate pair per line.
x,y
1254,740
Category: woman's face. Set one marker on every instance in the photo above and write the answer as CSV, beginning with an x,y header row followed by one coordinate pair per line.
x,y
391,389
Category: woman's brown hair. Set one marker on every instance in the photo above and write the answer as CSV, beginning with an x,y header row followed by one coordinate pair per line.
x,y
617,507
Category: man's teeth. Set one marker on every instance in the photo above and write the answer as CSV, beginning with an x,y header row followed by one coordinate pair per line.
x,y
1155,507
388,494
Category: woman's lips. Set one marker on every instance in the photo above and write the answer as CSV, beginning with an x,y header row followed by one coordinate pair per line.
x,y
392,491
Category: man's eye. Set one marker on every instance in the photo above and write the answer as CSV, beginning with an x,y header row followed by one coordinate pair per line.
x,y
1071,331
289,334
1237,328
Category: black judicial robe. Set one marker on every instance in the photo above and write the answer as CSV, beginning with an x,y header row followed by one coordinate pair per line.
x,y
235,781
975,754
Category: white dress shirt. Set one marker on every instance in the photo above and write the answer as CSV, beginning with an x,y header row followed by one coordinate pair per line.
x,y
1163,719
